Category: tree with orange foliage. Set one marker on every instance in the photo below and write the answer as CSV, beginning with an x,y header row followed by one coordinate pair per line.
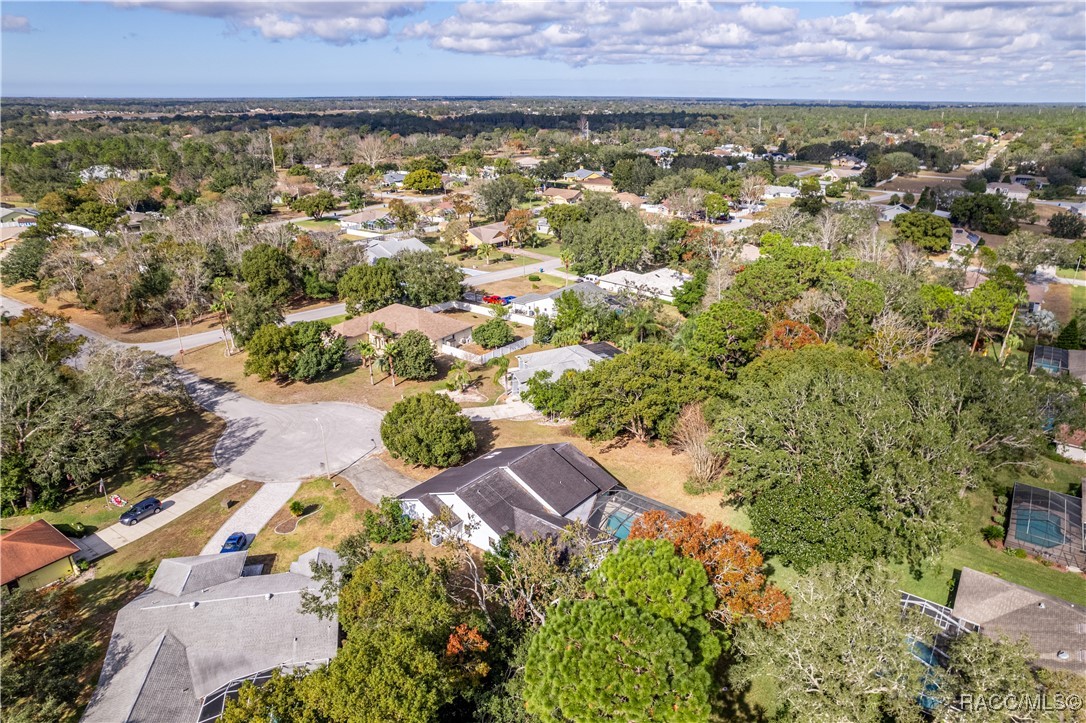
x,y
465,650
789,335
731,559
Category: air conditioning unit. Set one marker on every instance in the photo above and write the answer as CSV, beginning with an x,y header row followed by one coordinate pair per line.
x,y
437,540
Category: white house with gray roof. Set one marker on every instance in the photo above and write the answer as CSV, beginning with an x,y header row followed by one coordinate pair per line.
x,y
533,491
201,626
533,304
661,283
385,247
557,362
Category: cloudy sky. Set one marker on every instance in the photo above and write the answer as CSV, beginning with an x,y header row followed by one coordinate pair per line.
x,y
964,50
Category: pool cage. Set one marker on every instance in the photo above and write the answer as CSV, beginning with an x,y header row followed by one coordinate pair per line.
x,y
1049,358
614,511
1048,524
212,706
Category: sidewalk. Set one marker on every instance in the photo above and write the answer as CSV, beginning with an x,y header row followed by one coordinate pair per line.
x,y
116,536
254,514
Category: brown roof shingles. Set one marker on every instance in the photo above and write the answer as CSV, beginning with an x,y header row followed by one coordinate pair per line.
x,y
400,319
31,548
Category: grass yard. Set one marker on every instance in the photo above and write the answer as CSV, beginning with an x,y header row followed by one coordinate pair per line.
x,y
325,224
350,384
552,248
655,471
114,581
521,285
186,442
340,514
471,261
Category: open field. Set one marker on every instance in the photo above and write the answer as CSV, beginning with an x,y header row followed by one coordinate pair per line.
x,y
349,384
177,451
521,285
916,184
471,261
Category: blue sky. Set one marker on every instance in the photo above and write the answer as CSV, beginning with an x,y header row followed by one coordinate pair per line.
x,y
968,50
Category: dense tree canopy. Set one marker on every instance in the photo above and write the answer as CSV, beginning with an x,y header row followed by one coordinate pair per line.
x,y
428,429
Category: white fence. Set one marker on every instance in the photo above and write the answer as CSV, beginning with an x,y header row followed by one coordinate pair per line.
x,y
480,359
479,309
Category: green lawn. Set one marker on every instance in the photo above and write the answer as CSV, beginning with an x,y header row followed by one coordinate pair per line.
x,y
553,248
176,452
325,224
333,320
1078,298
1072,274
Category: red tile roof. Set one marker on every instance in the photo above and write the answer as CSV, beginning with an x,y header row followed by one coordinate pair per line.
x,y
31,548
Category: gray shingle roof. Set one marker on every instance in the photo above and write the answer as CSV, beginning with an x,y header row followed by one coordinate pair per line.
x,y
1001,608
180,575
177,642
559,474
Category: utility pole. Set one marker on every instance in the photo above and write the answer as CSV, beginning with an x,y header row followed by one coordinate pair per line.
x,y
271,143
865,121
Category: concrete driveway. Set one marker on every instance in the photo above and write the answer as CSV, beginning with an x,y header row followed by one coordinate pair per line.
x,y
286,442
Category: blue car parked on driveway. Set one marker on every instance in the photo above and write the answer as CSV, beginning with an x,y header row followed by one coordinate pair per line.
x,y
235,543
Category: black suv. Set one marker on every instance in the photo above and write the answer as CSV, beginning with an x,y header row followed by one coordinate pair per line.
x,y
143,508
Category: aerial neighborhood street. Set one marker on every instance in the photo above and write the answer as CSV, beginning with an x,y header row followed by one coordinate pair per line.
x,y
369,362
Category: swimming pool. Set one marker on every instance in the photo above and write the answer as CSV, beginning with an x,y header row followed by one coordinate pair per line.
x,y
1037,527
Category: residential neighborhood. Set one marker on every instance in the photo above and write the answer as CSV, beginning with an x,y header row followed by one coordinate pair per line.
x,y
488,362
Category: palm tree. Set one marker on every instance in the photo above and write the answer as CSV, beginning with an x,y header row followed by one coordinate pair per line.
x,y
459,379
367,353
385,334
485,251
221,306
501,368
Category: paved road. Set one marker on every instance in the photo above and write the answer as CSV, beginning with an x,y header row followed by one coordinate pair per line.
x,y
253,515
547,265
286,442
116,536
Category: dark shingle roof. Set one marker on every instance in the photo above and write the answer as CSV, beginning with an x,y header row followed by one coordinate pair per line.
x,y
558,478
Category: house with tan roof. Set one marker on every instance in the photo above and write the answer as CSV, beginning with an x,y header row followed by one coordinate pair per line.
x,y
35,556
491,233
1013,191
599,185
368,219
400,319
629,200
562,195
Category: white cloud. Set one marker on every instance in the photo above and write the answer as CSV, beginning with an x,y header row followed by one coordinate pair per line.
x,y
937,40
15,23
339,23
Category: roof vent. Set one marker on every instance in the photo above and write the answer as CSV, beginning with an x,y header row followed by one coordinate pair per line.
x,y
267,596
1063,655
1041,605
193,604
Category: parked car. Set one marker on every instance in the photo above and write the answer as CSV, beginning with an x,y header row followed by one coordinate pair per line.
x,y
237,542
508,299
140,510
492,299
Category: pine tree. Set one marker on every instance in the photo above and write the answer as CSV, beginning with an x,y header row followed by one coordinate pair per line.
x,y
1069,337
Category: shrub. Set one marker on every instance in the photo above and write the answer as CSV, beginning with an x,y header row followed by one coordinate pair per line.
x,y
534,277
493,334
297,508
1017,552
992,532
413,356
388,523
428,429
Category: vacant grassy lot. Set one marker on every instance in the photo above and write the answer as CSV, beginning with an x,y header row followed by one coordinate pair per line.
x,y
522,285
471,261
177,451
325,224
350,384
